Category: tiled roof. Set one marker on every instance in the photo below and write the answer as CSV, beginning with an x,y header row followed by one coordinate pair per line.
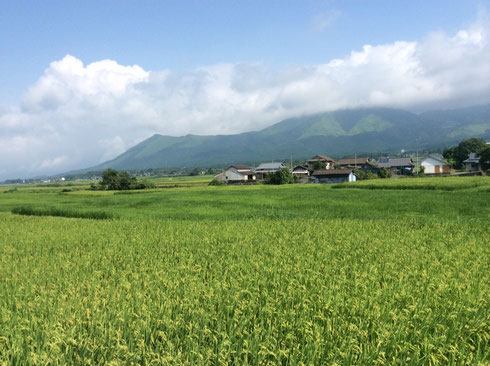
x,y
394,162
320,158
337,172
353,161
473,158
270,166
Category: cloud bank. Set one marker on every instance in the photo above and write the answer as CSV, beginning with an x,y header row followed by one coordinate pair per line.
x,y
79,115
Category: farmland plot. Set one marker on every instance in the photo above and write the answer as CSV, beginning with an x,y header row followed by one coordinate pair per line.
x,y
247,275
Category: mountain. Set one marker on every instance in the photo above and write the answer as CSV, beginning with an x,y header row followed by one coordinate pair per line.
x,y
338,133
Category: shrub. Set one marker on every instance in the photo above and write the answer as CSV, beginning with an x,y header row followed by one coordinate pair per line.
x,y
365,175
216,182
282,176
384,173
120,181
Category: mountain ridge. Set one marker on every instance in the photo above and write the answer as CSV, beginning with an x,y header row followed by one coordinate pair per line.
x,y
337,133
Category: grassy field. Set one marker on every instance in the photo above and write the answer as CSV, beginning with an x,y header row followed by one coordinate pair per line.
x,y
247,275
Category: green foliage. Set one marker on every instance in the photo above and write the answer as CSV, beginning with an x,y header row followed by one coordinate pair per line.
x,y
282,176
216,182
484,155
319,165
120,181
365,175
195,172
384,173
456,155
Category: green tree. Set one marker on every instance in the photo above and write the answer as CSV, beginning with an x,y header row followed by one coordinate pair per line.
x,y
484,155
282,176
365,175
195,172
384,173
319,165
456,155
117,181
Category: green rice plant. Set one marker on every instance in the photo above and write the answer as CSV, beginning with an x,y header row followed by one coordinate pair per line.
x,y
30,211
257,275
431,183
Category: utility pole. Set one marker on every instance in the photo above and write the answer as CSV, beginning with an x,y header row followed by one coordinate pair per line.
x,y
291,163
417,163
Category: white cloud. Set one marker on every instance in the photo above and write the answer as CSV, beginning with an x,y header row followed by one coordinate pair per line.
x,y
79,115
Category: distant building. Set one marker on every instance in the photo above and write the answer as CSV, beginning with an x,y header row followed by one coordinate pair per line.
x,y
328,162
402,166
362,163
300,171
353,163
434,165
334,176
472,163
239,174
266,168
269,167
221,176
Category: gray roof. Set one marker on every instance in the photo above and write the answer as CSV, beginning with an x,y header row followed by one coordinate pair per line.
x,y
239,167
436,158
320,158
300,167
473,158
334,172
353,161
270,166
395,162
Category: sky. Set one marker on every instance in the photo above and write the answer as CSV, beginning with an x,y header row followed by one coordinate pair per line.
x,y
83,81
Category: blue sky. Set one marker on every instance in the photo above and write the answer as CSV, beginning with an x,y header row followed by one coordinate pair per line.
x,y
185,34
83,81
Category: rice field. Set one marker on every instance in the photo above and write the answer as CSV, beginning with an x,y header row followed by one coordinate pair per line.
x,y
259,275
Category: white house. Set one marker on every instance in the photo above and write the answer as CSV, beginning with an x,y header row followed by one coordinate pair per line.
x,y
434,165
239,174
301,171
334,176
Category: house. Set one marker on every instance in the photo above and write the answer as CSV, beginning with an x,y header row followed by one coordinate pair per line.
x,y
265,168
239,174
363,163
472,163
370,167
300,171
434,165
325,161
334,176
221,176
269,167
353,163
402,166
